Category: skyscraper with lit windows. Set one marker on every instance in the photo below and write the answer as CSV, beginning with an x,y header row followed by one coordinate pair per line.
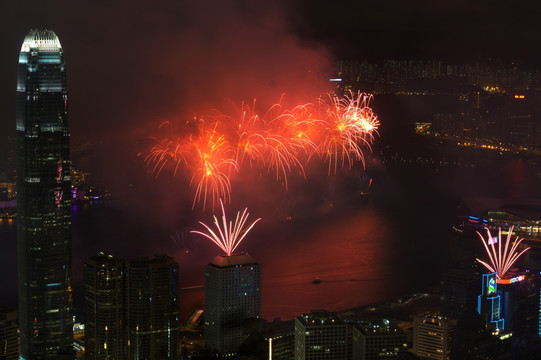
x,y
152,309
104,308
43,198
232,296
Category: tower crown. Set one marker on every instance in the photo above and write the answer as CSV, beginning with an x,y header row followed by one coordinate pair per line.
x,y
233,260
41,40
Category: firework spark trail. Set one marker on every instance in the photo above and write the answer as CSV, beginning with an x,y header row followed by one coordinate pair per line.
x,y
184,243
229,235
349,124
279,140
212,175
165,150
247,140
501,262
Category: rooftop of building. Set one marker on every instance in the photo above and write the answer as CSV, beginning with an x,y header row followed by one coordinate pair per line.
x,y
158,259
319,317
233,260
435,320
278,329
102,258
378,327
524,208
515,277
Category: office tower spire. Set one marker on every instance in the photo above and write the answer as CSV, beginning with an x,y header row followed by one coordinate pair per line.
x,y
43,198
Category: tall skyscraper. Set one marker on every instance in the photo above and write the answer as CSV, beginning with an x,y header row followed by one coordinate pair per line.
x,y
43,198
152,308
232,296
104,308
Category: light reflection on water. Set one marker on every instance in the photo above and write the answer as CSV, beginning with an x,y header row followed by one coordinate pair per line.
x,y
359,257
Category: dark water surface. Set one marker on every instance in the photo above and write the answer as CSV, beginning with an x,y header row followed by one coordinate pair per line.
x,y
364,250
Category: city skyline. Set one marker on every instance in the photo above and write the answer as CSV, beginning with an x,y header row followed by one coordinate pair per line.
x,y
127,83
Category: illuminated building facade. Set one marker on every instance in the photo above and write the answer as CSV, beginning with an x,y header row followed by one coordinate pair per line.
x,y
378,340
433,336
489,303
43,198
232,296
320,335
523,113
152,308
280,347
280,340
9,338
104,308
520,302
525,218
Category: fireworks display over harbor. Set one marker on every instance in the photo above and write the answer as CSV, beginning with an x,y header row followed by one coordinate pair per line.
x,y
501,260
212,148
228,235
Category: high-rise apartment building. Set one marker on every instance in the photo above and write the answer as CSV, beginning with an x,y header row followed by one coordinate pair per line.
x,y
152,308
433,336
9,338
232,296
104,308
320,335
43,198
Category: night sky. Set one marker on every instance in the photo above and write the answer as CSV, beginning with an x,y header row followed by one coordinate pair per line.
x,y
459,30
133,64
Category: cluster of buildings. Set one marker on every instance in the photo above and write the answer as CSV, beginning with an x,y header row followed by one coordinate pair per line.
x,y
131,308
508,121
410,77
490,105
